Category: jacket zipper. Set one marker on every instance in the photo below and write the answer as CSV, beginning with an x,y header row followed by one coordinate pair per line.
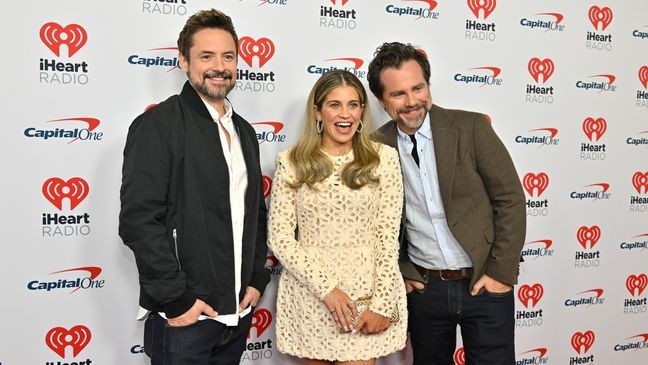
x,y
175,242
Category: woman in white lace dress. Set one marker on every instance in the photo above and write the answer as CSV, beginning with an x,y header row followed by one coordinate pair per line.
x,y
334,220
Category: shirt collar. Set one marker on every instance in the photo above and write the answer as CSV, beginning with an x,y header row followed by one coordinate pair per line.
x,y
226,118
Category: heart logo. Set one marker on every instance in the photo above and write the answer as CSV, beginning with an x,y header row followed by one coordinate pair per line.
x,y
600,16
487,6
636,284
260,321
56,189
539,67
588,236
594,128
77,337
640,182
643,76
530,295
537,183
263,49
53,35
581,342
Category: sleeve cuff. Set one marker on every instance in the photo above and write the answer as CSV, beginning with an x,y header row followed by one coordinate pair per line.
x,y
180,305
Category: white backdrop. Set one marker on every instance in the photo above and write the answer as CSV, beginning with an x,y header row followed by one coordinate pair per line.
x,y
565,85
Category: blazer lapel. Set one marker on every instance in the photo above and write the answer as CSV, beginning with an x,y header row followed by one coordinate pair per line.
x,y
445,150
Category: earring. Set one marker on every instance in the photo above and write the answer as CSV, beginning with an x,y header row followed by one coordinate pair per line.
x,y
360,127
320,127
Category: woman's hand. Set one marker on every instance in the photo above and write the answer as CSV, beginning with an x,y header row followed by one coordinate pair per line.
x,y
370,323
341,308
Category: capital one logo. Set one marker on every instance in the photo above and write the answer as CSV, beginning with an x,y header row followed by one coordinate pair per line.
x,y
460,356
267,186
534,184
56,189
486,6
59,338
357,62
588,236
541,351
640,182
431,3
263,49
261,320
544,68
581,342
643,76
600,17
636,284
530,295
594,128
53,35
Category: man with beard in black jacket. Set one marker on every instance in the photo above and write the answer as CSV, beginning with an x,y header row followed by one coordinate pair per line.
x,y
193,209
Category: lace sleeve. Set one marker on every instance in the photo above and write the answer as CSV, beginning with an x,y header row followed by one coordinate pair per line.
x,y
387,224
282,223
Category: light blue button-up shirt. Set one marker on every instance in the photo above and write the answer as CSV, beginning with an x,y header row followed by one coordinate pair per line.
x,y
431,244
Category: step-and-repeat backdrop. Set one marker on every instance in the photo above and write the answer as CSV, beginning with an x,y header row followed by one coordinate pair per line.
x,y
564,83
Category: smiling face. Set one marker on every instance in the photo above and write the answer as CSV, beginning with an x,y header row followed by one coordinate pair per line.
x,y
211,67
341,114
406,96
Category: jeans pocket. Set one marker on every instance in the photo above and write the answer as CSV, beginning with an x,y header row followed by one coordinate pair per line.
x,y
499,296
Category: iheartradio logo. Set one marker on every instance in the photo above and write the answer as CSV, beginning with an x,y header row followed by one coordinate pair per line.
x,y
636,284
530,295
486,6
588,236
267,186
341,2
600,17
594,128
640,182
56,189
544,68
460,356
263,49
535,183
77,337
643,76
581,342
53,35
260,321
272,260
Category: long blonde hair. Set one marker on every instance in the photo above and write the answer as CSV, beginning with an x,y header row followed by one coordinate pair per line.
x,y
311,164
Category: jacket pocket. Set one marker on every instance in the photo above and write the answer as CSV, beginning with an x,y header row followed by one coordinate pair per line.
x,y
175,247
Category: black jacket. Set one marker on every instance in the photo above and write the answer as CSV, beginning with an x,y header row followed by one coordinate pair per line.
x,y
175,211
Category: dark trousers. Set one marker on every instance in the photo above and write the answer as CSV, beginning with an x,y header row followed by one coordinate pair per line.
x,y
205,342
487,324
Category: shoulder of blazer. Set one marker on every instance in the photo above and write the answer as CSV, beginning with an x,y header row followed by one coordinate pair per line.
x,y
387,134
453,118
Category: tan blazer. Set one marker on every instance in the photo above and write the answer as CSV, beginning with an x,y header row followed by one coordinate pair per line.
x,y
481,192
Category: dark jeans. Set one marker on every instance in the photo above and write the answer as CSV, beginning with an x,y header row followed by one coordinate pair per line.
x,y
205,342
487,324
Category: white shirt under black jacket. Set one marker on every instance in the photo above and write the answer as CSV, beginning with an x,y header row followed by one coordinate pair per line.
x,y
238,183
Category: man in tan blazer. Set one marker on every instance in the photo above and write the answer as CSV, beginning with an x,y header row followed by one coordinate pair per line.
x,y
464,218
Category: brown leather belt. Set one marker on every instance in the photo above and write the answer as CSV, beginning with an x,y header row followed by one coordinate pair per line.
x,y
445,275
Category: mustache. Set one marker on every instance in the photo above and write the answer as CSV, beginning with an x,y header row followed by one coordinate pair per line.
x,y
213,74
411,108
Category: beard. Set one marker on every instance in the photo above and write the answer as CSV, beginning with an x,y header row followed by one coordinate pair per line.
x,y
412,122
217,92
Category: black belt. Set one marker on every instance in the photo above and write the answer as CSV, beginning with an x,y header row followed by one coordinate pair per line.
x,y
445,275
